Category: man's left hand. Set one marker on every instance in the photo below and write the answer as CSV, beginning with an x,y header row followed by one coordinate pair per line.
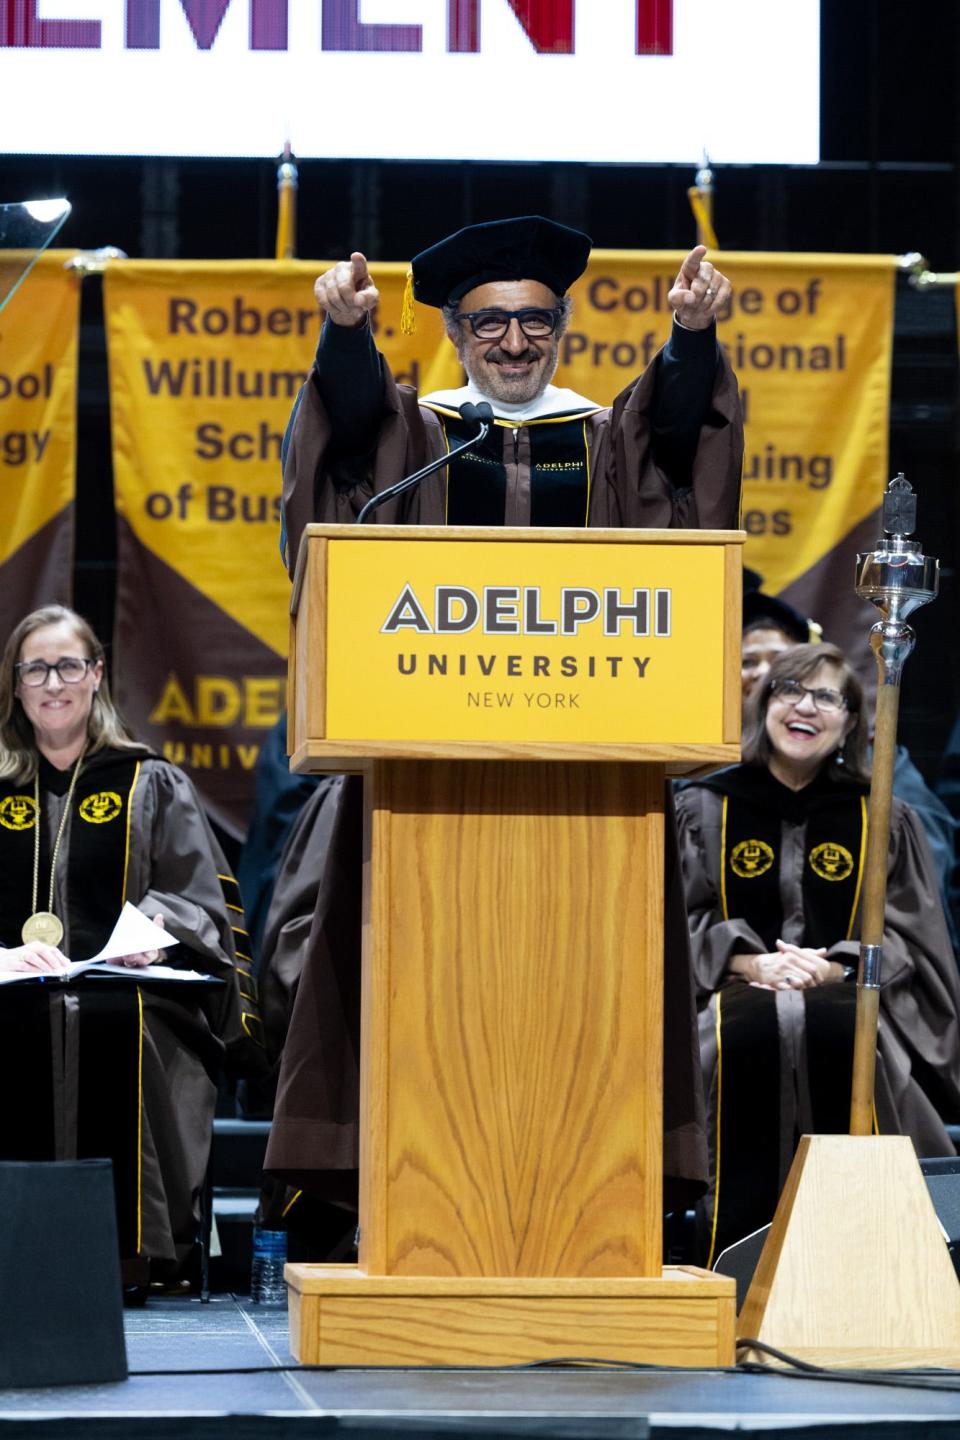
x,y
699,292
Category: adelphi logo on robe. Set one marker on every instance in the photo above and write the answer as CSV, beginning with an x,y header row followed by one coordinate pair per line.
x,y
750,859
98,809
18,812
831,861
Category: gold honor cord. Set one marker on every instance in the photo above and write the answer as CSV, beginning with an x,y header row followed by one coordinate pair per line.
x,y
43,924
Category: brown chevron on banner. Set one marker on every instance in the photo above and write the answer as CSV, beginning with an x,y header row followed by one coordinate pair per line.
x,y
191,681
39,572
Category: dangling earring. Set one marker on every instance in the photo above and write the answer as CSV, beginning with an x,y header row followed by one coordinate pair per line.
x,y
839,755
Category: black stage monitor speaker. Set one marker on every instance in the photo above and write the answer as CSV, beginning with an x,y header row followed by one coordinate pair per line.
x,y
61,1309
740,1260
943,1182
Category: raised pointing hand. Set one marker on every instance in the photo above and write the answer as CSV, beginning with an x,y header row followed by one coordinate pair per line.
x,y
699,292
346,291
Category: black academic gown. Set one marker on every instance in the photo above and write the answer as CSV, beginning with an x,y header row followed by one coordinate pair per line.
x,y
761,862
124,1069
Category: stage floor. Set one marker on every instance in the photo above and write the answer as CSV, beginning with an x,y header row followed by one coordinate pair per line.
x,y
232,1337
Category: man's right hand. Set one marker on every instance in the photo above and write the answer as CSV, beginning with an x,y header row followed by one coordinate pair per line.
x,y
346,291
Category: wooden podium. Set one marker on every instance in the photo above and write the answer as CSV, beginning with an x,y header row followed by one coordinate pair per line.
x,y
514,699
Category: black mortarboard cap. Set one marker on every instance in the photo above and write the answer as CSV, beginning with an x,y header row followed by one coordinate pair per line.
x,y
528,247
758,607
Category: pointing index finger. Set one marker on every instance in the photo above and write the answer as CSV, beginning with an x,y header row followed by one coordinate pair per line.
x,y
691,265
360,272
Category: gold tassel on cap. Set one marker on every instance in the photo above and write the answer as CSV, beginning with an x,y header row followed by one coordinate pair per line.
x,y
408,315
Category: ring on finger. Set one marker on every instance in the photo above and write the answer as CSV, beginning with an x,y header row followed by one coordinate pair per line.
x,y
711,291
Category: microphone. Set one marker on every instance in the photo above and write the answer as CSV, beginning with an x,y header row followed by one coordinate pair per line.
x,y
481,415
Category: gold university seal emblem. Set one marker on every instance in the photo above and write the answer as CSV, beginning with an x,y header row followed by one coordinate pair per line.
x,y
750,859
831,862
17,812
98,809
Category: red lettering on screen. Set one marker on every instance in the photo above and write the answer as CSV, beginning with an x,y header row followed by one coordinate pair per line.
x,y
548,25
654,27
268,23
20,28
342,29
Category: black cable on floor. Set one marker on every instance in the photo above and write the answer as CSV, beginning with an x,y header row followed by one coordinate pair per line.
x,y
947,1381
797,1369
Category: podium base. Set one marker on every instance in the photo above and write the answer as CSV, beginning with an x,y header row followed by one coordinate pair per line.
x,y
855,1273
339,1315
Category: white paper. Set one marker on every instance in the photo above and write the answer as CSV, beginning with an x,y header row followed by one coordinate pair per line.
x,y
132,934
151,972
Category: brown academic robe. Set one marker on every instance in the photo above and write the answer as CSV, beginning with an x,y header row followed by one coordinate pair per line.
x,y
129,1070
918,1049
627,488
314,1139
316,862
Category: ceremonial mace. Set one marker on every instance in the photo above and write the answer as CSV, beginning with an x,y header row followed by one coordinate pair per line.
x,y
898,578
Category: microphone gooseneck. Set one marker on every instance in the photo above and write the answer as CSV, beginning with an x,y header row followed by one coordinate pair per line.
x,y
481,415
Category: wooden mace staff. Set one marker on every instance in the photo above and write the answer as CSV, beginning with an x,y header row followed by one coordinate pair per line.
x,y
898,578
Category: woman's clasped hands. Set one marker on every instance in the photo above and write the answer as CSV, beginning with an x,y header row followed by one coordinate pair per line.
x,y
789,967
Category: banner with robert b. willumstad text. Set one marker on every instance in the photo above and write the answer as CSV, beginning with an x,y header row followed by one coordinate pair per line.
x,y
38,439
206,359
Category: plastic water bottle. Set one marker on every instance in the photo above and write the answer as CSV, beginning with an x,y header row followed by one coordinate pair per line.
x,y
267,1285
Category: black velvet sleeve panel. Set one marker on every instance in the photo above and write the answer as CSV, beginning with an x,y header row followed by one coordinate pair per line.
x,y
686,369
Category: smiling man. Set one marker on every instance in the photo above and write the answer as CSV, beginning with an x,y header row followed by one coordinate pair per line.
x,y
667,453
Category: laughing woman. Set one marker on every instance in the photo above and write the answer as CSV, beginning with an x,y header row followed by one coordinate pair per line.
x,y
106,1067
772,858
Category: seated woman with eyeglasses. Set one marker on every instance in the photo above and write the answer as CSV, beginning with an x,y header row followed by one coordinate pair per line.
x,y
773,852
89,819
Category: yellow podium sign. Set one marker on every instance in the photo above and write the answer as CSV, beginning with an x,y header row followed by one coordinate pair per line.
x,y
612,640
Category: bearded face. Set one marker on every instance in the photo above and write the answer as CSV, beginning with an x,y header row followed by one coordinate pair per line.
x,y
516,368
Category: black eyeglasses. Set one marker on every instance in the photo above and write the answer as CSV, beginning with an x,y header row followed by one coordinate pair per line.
x,y
792,692
70,670
493,324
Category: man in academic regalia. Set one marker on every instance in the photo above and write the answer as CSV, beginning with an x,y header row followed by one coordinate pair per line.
x,y
667,453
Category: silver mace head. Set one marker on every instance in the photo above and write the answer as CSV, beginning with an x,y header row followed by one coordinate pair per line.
x,y
896,577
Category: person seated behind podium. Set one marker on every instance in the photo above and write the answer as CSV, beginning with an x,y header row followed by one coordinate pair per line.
x,y
668,452
771,626
89,819
772,853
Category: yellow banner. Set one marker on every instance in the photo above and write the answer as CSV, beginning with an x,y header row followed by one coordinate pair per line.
x,y
205,363
38,403
810,338
206,359
535,642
